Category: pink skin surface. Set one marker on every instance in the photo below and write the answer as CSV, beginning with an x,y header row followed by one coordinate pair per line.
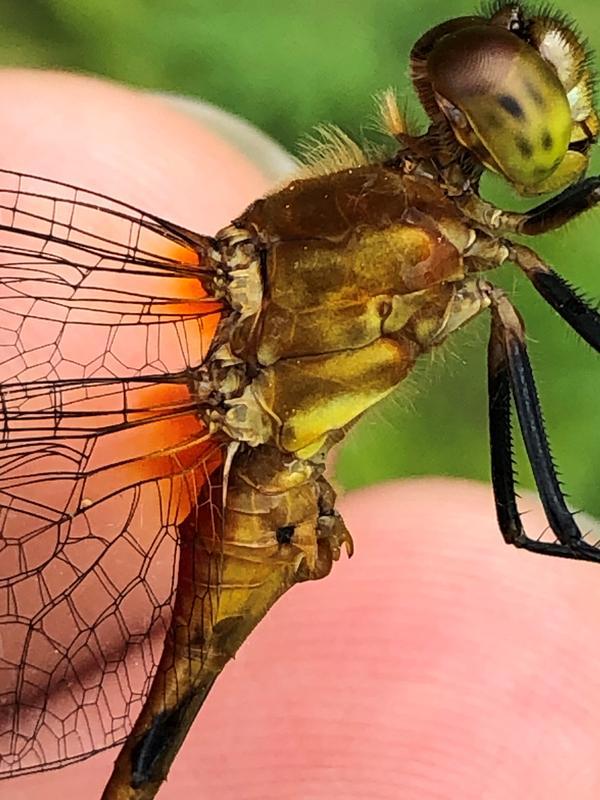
x,y
437,663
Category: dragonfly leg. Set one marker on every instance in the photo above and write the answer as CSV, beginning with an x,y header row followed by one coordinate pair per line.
x,y
509,372
562,208
547,216
555,290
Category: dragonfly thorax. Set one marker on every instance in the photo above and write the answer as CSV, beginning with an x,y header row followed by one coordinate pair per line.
x,y
358,279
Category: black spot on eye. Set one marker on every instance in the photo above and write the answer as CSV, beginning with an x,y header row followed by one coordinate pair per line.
x,y
547,141
493,121
524,147
512,105
535,95
285,534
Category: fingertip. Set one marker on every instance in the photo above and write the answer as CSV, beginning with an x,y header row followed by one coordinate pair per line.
x,y
127,144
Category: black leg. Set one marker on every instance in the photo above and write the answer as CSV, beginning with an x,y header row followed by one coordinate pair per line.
x,y
557,211
509,370
565,300
501,445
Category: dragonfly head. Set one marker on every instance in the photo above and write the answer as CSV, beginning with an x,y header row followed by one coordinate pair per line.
x,y
516,90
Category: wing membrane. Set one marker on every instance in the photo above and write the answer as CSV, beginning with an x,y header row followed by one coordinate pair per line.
x,y
115,288
103,320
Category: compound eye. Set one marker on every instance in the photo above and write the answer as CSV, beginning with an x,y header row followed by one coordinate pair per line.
x,y
513,110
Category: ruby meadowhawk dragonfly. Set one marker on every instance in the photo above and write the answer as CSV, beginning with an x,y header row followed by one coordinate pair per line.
x,y
169,397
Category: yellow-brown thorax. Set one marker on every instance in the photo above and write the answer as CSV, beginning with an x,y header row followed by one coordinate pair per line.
x,y
360,273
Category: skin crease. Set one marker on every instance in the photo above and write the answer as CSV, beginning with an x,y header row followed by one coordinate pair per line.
x,y
437,663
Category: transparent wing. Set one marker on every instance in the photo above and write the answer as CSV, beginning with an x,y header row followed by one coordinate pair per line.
x,y
103,319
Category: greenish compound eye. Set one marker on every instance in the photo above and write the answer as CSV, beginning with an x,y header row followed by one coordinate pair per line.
x,y
535,116
513,101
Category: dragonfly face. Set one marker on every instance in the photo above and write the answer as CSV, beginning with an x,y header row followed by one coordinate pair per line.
x,y
517,92
185,390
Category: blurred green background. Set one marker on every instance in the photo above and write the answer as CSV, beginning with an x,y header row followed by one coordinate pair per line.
x,y
287,66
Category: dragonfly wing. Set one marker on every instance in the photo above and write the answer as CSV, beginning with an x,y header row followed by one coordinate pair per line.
x,y
103,318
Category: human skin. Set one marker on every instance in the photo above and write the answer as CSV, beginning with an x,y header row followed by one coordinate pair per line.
x,y
437,662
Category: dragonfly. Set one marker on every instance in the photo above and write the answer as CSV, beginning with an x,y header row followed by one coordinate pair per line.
x,y
169,399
